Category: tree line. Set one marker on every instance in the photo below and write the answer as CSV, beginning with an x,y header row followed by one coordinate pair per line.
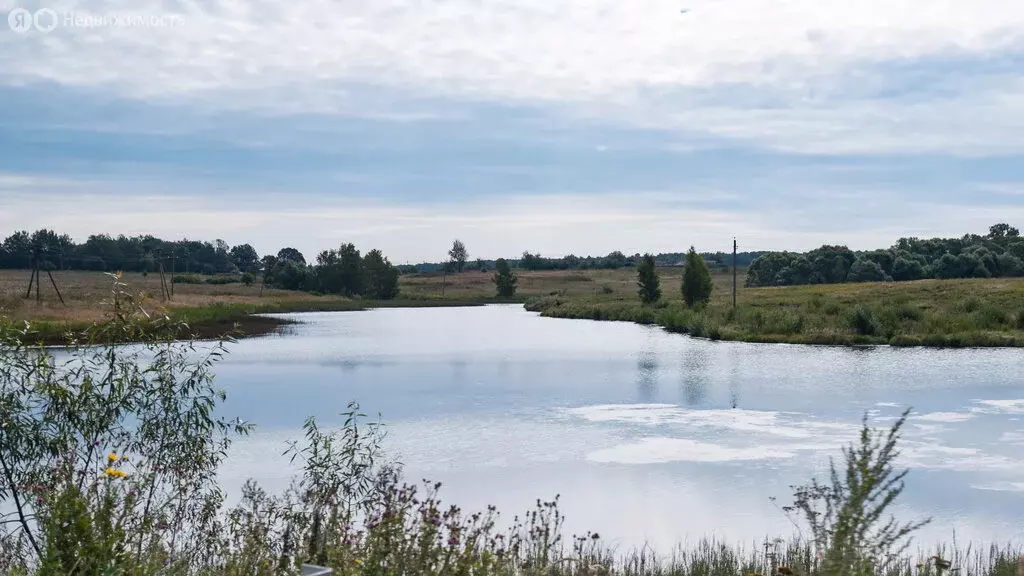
x,y
341,271
1000,253
612,261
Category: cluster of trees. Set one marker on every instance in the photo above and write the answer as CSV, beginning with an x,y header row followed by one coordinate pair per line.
x,y
998,253
130,254
342,271
696,286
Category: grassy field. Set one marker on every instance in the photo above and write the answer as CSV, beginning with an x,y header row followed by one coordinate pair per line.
x,y
954,313
210,310
976,312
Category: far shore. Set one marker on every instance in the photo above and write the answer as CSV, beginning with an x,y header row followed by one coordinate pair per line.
x,y
931,313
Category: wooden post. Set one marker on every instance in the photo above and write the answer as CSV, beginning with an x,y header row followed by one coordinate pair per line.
x,y
444,282
54,282
38,299
734,272
31,278
172,273
163,281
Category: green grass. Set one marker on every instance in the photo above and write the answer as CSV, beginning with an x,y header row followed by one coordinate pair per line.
x,y
239,319
941,313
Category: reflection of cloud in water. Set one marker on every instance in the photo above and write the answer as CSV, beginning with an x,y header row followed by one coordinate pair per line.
x,y
663,450
743,435
1000,407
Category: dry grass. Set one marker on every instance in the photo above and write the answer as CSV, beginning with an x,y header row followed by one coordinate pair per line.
x,y
86,295
576,283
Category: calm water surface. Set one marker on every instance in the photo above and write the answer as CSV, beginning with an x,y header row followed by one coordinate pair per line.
x,y
648,437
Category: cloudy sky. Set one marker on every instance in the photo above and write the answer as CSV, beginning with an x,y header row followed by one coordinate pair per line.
x,y
559,126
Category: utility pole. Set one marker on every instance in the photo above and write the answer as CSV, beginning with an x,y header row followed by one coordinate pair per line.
x,y
733,272
173,257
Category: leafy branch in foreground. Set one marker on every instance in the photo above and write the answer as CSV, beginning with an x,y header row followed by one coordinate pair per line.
x,y
847,516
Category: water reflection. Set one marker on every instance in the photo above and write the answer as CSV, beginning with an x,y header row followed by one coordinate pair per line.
x,y
647,375
694,372
547,407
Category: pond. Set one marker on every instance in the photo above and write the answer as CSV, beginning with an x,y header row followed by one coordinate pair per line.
x,y
648,437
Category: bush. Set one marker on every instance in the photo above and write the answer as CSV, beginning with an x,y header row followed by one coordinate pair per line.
x,y
864,322
991,316
187,279
248,279
606,289
220,280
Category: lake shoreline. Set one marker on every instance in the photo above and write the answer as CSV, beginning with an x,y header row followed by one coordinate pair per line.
x,y
237,321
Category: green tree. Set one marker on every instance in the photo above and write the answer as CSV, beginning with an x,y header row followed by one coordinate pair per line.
x,y
380,277
904,269
504,279
291,254
458,255
245,258
884,258
647,280
351,269
696,279
1010,265
289,275
864,270
1002,231
17,250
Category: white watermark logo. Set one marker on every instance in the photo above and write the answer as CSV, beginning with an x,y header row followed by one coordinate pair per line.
x,y
45,20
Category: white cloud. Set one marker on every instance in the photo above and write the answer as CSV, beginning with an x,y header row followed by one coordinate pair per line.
x,y
492,226
800,75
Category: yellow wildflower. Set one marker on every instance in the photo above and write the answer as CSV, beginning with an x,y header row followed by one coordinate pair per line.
x,y
115,473
112,457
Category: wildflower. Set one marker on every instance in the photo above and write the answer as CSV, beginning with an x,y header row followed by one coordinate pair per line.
x,y
358,562
111,457
115,473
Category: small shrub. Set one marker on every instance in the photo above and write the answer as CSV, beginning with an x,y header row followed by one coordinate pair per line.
x,y
969,305
991,316
187,279
777,322
219,280
864,322
606,289
248,279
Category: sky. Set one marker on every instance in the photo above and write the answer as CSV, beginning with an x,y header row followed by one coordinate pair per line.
x,y
554,126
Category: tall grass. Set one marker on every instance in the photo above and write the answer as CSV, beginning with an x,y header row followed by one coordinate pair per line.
x,y
921,314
